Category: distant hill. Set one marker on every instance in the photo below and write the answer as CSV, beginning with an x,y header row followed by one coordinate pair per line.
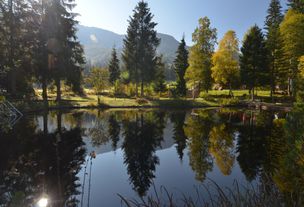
x,y
98,44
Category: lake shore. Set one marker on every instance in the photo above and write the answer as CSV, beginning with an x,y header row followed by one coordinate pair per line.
x,y
142,103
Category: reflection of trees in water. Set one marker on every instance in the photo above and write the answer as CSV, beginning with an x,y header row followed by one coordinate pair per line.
x,y
178,120
197,130
252,143
143,133
113,130
36,162
289,175
221,147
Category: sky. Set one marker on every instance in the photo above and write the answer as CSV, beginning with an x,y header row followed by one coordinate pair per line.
x,y
177,17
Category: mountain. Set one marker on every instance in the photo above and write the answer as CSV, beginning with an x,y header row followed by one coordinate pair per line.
x,y
98,44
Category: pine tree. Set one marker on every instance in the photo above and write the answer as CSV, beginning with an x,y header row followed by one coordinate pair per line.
x,y
199,71
159,83
180,67
253,60
114,69
273,41
297,5
139,53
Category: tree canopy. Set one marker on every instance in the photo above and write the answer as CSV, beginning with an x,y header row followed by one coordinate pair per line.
x,y
225,60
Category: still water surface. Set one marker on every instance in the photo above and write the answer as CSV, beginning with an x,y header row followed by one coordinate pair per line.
x,y
138,153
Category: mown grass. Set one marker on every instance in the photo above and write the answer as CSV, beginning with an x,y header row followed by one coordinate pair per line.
x,y
213,99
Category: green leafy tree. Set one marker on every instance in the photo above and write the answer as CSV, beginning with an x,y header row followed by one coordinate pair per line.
x,y
225,61
274,42
180,67
253,60
98,79
159,85
114,69
199,71
139,52
291,30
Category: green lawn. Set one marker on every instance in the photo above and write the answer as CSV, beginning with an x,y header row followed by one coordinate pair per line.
x,y
213,98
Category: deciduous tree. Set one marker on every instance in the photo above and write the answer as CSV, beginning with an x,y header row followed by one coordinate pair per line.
x,y
225,60
199,71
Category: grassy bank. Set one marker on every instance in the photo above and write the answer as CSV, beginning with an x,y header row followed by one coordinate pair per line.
x,y
212,99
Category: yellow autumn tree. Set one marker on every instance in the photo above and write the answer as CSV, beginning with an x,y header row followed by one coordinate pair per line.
x,y
225,61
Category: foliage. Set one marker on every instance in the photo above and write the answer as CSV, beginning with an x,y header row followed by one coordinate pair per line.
x,y
199,71
225,60
296,5
159,85
291,30
274,43
98,79
114,68
139,52
180,67
253,60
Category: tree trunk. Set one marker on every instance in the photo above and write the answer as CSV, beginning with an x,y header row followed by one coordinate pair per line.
x,y
142,89
272,82
230,90
44,94
58,92
136,89
252,94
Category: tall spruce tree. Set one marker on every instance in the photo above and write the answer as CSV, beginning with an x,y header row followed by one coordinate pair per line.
x,y
64,50
273,42
253,60
139,52
114,69
297,5
180,67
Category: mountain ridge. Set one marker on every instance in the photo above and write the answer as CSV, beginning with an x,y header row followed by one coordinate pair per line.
x,y
98,44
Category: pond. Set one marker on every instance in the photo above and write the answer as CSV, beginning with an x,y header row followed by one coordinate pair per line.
x,y
96,158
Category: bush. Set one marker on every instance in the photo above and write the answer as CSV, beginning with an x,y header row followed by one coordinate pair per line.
x,y
229,101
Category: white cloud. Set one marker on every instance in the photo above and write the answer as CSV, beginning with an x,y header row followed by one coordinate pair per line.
x,y
93,38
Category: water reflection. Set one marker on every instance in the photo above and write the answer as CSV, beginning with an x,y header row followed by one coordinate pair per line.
x,y
46,154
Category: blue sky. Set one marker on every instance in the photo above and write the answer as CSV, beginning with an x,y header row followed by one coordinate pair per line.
x,y
177,17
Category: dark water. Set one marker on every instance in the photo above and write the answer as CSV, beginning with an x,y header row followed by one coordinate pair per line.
x,y
142,152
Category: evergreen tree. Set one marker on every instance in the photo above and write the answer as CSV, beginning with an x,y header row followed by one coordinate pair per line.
x,y
16,33
296,5
159,83
180,67
199,71
114,69
273,41
253,60
226,69
139,53
64,50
